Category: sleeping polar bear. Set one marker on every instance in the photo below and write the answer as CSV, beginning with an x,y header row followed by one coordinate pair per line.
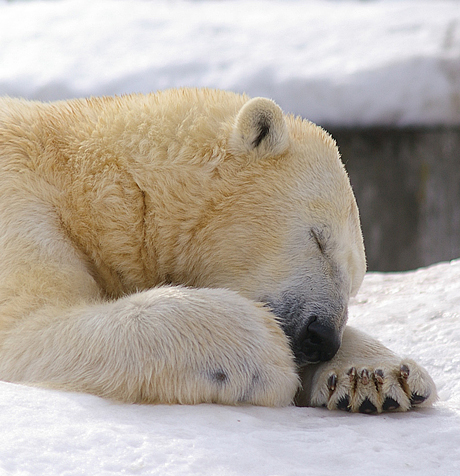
x,y
184,247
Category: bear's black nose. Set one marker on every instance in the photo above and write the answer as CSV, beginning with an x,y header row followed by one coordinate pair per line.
x,y
315,342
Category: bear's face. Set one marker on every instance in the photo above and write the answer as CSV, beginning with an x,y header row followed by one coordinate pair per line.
x,y
287,231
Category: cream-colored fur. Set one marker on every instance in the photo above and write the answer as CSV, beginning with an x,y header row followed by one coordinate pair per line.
x,y
110,206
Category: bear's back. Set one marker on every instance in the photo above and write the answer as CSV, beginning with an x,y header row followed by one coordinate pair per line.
x,y
122,173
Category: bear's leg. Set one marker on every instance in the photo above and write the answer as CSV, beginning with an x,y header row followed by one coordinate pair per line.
x,y
365,376
165,345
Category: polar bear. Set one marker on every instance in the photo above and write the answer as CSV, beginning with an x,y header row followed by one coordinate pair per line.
x,y
186,246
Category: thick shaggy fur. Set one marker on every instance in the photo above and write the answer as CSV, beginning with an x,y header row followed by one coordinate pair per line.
x,y
119,215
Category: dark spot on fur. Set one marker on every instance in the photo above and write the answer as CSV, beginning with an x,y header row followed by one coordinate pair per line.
x,y
264,128
219,376
247,395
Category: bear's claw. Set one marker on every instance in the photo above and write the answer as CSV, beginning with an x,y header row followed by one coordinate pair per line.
x,y
332,382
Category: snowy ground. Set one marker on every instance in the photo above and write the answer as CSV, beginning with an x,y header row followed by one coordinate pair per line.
x,y
335,62
45,432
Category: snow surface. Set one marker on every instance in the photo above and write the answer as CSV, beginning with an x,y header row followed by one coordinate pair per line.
x,y
336,63
45,432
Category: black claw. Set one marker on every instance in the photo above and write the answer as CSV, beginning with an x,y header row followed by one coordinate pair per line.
x,y
379,376
332,382
404,371
390,404
367,407
344,403
364,377
352,374
416,398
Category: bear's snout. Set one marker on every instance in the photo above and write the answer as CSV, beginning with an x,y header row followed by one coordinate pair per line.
x,y
314,332
314,342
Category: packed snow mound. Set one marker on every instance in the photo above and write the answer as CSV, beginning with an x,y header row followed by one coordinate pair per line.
x,y
337,63
46,432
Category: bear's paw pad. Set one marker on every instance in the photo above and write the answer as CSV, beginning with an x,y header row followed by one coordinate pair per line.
x,y
368,389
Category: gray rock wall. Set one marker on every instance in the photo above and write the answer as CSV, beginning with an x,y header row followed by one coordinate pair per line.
x,y
407,184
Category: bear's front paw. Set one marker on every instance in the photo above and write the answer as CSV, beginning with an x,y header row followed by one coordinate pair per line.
x,y
395,386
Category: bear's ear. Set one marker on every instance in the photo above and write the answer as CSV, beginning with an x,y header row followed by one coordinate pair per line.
x,y
260,126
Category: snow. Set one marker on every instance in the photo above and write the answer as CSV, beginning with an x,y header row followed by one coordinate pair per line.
x,y
417,313
341,63
335,62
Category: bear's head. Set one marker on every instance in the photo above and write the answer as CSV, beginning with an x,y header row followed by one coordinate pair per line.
x,y
281,226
